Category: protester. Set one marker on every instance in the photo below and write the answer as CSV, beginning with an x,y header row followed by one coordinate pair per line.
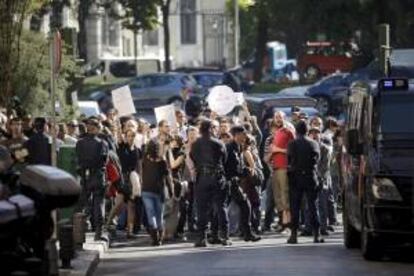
x,y
154,181
280,182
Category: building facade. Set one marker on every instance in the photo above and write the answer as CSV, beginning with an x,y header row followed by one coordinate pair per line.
x,y
200,35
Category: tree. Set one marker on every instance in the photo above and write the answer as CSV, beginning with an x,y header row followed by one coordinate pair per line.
x,y
12,15
30,81
140,15
165,11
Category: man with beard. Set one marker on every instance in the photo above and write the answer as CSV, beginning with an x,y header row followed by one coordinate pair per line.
x,y
281,138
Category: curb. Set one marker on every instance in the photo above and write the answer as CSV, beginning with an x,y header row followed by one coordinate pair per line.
x,y
87,260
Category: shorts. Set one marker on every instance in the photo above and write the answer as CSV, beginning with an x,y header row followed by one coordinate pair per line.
x,y
280,187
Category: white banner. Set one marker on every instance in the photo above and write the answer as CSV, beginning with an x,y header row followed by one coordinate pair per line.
x,y
166,112
123,102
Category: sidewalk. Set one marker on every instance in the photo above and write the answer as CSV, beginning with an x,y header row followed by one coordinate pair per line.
x,y
87,260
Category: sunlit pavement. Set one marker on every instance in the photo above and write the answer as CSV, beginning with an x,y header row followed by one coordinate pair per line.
x,y
270,256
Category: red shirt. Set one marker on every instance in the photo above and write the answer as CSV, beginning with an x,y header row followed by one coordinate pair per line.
x,y
281,139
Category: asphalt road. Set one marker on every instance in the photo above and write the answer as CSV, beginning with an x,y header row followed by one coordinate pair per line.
x,y
271,256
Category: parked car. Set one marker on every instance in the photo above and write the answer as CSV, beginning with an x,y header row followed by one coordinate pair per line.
x,y
330,91
323,58
152,90
208,79
263,106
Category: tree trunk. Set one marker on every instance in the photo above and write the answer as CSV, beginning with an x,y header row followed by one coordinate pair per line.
x,y
262,37
166,26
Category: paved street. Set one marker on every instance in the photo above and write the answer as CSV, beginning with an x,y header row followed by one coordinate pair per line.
x,y
271,256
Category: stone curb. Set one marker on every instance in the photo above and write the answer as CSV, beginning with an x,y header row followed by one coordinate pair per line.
x,y
86,260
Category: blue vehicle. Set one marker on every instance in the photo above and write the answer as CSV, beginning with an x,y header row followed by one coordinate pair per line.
x,y
331,91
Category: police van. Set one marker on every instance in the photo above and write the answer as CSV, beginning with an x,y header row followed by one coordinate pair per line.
x,y
378,167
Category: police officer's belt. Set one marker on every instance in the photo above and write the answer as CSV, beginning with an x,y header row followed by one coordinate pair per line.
x,y
209,170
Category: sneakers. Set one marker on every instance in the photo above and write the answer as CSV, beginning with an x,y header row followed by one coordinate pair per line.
x,y
214,240
252,237
324,232
317,239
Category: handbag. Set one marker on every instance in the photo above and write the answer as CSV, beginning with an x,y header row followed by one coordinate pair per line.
x,y
135,183
112,173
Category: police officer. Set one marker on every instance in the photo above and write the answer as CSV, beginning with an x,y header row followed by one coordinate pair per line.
x,y
303,158
209,156
92,154
235,169
39,145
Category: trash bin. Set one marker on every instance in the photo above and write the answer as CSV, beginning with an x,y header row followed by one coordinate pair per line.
x,y
66,160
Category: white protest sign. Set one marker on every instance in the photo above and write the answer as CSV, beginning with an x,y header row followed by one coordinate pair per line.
x,y
166,112
221,100
123,102
239,98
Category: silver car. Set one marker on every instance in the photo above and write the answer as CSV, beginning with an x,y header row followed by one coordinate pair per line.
x,y
152,90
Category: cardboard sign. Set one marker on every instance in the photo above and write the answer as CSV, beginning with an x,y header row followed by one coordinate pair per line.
x,y
123,102
221,100
239,98
166,112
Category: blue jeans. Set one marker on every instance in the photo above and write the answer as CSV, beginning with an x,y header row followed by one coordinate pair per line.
x,y
154,209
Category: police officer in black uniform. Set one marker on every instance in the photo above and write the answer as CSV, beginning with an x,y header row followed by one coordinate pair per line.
x,y
92,154
211,189
236,168
303,157
39,145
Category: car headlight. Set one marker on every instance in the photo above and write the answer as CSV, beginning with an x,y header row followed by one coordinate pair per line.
x,y
385,189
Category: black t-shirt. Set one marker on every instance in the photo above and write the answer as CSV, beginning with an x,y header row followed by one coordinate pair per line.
x,y
154,174
128,157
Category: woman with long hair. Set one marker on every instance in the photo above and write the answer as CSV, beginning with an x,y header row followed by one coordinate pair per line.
x,y
154,180
127,190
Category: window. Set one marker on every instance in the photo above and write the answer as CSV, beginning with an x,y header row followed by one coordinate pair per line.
x,y
141,82
151,38
162,80
188,21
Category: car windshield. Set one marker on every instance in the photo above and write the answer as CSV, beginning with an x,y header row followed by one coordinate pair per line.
x,y
396,114
209,80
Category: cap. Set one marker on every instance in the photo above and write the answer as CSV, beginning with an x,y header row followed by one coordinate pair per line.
x,y
93,121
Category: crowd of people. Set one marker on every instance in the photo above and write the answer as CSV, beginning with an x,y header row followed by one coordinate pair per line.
x,y
213,176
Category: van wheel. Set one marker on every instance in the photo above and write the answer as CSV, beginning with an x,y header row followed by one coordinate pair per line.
x,y
352,237
371,247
